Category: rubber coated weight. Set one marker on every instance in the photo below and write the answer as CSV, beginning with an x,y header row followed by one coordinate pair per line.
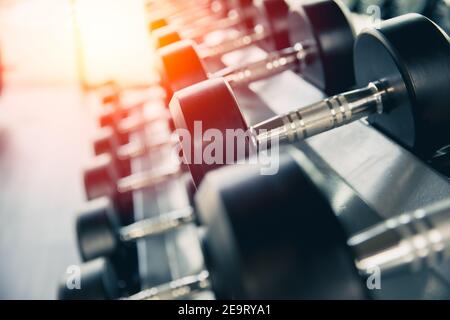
x,y
106,142
97,281
198,105
96,227
100,179
157,23
325,28
418,73
181,65
272,16
274,236
165,36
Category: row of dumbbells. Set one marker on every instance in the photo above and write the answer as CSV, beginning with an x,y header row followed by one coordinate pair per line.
x,y
259,234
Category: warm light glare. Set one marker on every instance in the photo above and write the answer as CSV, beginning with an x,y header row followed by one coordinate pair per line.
x,y
39,46
115,39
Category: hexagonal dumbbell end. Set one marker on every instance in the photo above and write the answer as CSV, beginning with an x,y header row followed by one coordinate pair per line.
x,y
100,233
100,177
165,36
97,280
157,23
96,227
106,142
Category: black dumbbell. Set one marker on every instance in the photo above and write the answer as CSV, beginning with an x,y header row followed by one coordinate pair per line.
x,y
151,138
100,234
163,33
269,29
184,14
98,280
315,40
227,14
264,237
101,178
402,69
112,115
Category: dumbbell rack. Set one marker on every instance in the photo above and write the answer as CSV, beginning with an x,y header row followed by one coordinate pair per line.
x,y
386,176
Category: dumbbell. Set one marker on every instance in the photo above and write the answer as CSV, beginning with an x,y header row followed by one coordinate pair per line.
x,y
268,27
259,243
201,22
107,140
98,280
101,178
196,23
112,114
316,41
402,70
186,12
100,234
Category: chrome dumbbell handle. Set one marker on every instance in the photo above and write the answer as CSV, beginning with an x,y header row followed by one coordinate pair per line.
x,y
414,241
209,25
177,289
241,42
320,117
155,226
135,123
275,63
147,179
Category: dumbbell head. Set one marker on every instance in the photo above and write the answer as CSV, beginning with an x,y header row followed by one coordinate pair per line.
x,y
96,228
272,16
274,236
97,281
213,103
180,65
105,141
100,177
109,117
325,27
157,23
418,75
165,36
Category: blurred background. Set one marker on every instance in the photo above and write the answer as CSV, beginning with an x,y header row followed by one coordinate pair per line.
x,y
53,53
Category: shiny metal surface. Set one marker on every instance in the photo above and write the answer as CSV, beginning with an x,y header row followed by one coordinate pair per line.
x,y
164,223
409,242
320,117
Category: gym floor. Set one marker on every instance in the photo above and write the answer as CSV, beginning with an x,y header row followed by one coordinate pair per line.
x,y
43,146
46,125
